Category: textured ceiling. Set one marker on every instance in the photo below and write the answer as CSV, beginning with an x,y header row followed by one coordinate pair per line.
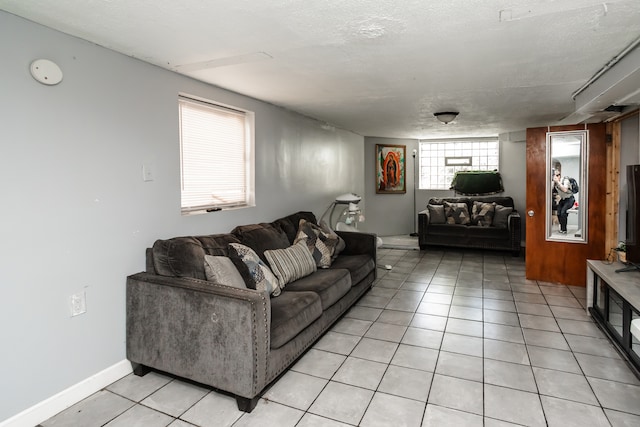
x,y
378,68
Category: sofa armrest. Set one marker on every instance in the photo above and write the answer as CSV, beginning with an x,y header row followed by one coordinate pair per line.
x,y
513,221
515,231
423,226
214,334
358,243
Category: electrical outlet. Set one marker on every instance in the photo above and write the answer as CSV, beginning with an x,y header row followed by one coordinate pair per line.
x,y
78,303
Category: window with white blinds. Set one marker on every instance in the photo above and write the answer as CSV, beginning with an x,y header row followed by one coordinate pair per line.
x,y
216,153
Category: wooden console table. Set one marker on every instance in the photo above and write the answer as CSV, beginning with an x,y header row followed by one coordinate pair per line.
x,y
613,300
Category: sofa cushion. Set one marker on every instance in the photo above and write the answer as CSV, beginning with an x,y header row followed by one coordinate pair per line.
x,y
487,233
289,224
501,216
261,237
436,214
453,230
291,312
291,263
499,200
179,257
456,213
482,213
254,271
330,284
320,244
184,256
359,266
217,244
220,269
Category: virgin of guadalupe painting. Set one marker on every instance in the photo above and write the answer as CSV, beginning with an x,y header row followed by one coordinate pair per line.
x,y
390,169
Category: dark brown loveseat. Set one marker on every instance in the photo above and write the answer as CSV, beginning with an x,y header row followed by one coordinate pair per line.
x,y
227,336
500,231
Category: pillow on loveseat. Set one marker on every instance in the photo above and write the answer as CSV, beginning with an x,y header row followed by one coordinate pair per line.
x,y
456,213
482,213
320,244
501,216
254,271
436,214
291,263
341,243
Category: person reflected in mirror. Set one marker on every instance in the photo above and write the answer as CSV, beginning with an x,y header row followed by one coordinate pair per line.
x,y
554,194
566,202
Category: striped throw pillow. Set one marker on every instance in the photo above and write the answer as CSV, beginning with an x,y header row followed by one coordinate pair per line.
x,y
291,263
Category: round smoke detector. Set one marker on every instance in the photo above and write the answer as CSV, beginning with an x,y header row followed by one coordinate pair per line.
x,y
46,72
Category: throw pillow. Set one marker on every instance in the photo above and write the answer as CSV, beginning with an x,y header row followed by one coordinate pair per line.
x,y
436,214
456,213
341,243
259,275
321,245
291,263
501,216
220,269
482,213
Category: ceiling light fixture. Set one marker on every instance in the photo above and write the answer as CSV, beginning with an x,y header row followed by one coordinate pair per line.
x,y
446,116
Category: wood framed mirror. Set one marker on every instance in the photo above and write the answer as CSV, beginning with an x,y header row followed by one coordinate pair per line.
x,y
566,186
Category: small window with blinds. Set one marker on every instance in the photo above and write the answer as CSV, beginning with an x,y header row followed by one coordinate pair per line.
x,y
216,156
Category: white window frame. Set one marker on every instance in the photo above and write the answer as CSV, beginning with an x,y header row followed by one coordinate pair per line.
x,y
439,159
217,142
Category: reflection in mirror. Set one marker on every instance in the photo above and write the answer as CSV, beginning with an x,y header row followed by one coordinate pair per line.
x,y
566,218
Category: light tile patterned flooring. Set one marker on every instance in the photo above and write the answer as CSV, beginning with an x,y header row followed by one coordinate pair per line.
x,y
447,338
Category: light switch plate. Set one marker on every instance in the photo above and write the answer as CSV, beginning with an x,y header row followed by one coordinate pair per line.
x,y
147,172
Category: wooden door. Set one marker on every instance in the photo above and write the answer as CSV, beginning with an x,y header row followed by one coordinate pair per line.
x,y
561,262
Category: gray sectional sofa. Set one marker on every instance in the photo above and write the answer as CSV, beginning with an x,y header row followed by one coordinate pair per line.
x,y
452,221
228,336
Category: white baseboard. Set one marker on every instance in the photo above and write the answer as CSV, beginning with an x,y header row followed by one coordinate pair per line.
x,y
48,408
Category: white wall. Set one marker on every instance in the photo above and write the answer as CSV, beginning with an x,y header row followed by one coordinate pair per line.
x,y
393,214
76,214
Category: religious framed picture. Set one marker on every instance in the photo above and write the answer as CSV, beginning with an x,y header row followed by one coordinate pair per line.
x,y
390,169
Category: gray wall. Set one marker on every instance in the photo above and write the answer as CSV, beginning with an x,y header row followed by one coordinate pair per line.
x,y
388,214
393,214
77,216
629,155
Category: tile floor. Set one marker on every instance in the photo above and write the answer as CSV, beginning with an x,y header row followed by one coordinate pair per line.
x,y
444,339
